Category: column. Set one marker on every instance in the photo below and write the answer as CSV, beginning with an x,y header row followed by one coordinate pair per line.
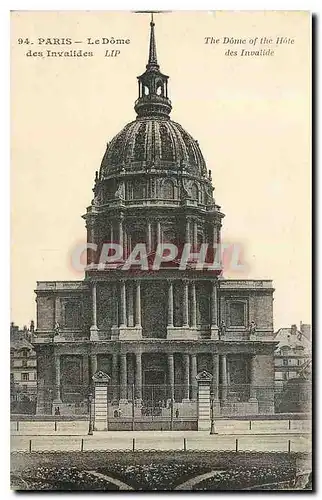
x,y
170,304
130,304
93,365
215,374
138,305
125,243
171,374
159,235
129,242
149,238
121,236
94,306
194,383
185,303
138,375
115,305
57,378
123,377
214,306
186,372
214,236
123,303
91,239
224,376
115,376
187,231
193,305
56,311
111,232
195,235
252,387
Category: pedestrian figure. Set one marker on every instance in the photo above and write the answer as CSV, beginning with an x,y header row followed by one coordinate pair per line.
x,y
222,329
177,413
252,328
57,411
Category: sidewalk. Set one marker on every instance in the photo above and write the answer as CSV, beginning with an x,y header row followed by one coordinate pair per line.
x,y
163,440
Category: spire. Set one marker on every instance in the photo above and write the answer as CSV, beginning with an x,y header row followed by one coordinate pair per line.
x,y
152,49
153,86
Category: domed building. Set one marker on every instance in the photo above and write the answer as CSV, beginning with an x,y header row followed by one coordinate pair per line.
x,y
152,331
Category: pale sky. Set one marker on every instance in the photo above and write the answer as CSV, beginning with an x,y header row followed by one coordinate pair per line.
x,y
250,115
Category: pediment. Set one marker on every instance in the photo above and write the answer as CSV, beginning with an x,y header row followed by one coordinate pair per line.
x,y
101,377
204,376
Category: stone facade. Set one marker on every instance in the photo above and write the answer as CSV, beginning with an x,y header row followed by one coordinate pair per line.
x,y
151,331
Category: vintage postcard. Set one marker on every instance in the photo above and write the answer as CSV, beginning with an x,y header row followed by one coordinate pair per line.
x,y
161,250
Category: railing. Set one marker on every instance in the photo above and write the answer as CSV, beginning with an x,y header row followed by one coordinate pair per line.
x,y
63,336
61,285
202,331
255,443
237,283
163,399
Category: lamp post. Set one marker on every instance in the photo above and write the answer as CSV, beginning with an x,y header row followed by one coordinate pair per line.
x,y
212,421
90,426
171,412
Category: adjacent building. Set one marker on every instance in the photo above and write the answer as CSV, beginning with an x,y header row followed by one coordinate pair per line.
x,y
292,352
293,362
23,371
153,331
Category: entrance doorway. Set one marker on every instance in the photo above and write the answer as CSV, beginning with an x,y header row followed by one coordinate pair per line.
x,y
154,392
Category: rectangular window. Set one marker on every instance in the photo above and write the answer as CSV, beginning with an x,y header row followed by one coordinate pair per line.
x,y
25,377
72,315
24,363
285,362
237,314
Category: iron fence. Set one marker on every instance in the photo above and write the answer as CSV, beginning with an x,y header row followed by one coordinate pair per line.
x,y
158,401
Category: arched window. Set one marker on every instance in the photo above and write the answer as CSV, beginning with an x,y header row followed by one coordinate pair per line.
x,y
195,192
109,191
138,190
146,90
202,195
168,190
138,235
159,87
169,235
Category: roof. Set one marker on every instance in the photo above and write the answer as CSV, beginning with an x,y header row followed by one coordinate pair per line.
x,y
285,337
21,344
158,142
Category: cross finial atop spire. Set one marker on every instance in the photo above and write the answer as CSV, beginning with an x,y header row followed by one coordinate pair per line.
x,y
152,50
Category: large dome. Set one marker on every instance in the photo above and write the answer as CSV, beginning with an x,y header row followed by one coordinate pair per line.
x,y
153,142
153,184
